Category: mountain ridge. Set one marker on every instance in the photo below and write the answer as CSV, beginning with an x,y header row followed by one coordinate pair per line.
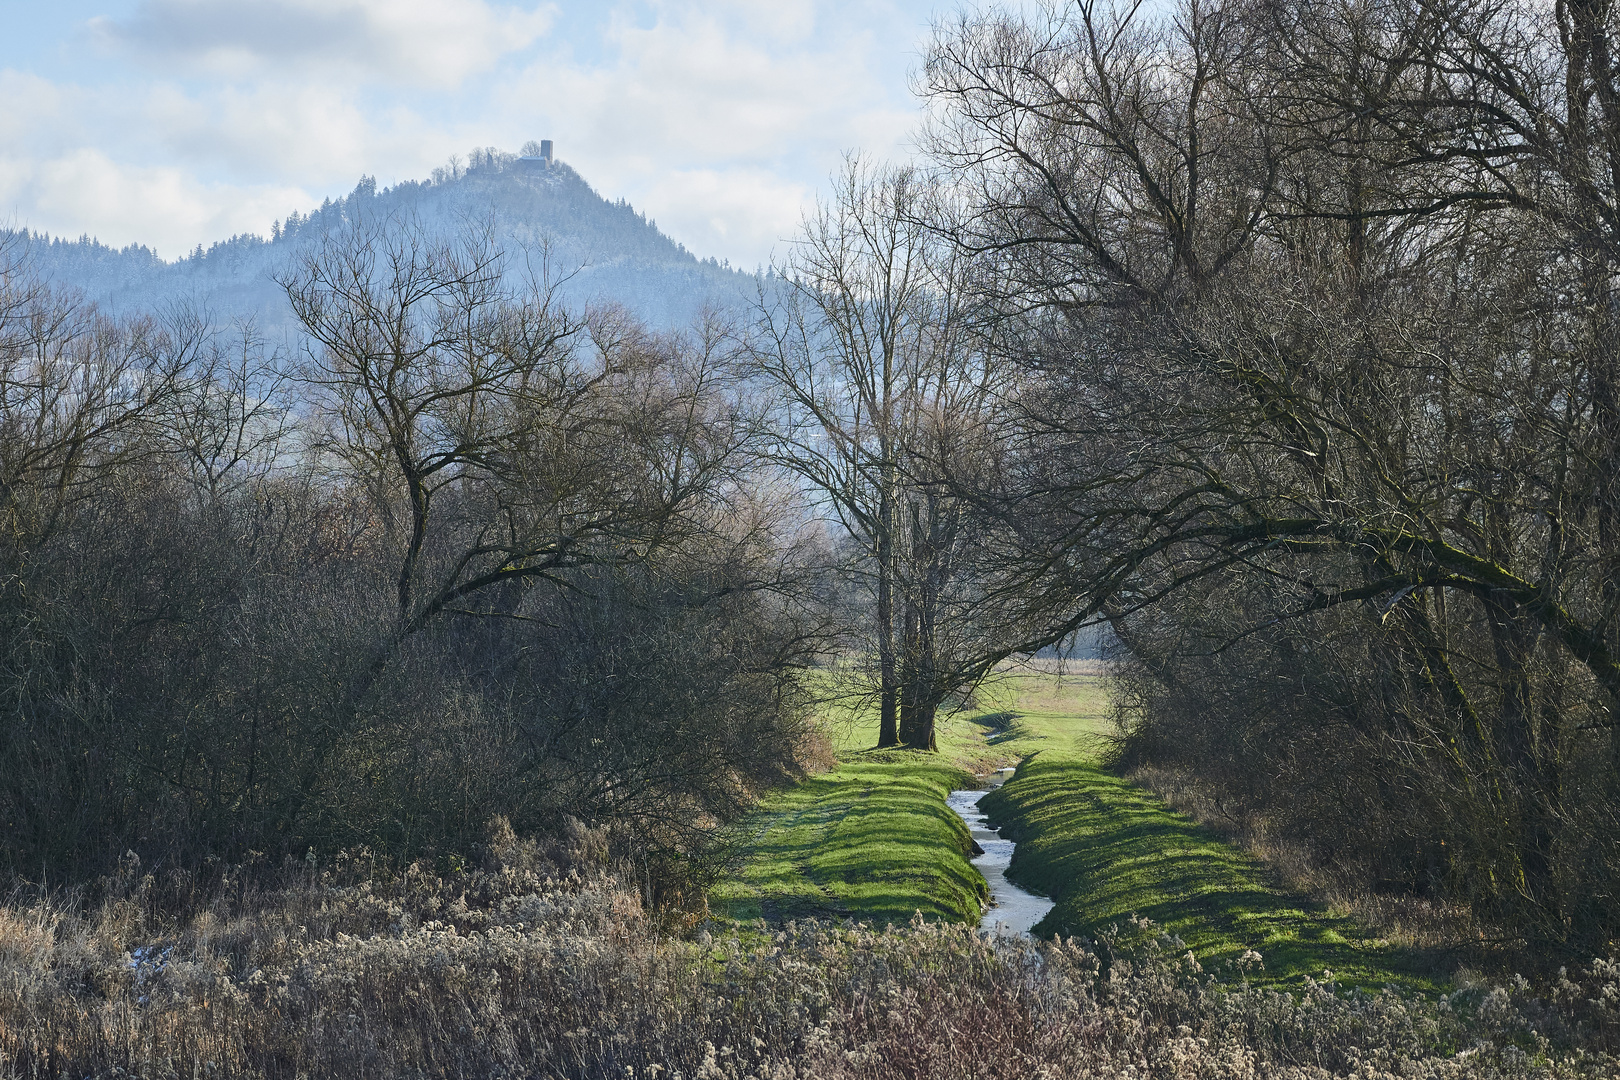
x,y
603,251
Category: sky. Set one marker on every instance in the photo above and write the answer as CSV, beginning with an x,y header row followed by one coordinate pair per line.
x,y
177,122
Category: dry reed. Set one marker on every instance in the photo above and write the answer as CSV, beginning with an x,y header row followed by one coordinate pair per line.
x,y
541,963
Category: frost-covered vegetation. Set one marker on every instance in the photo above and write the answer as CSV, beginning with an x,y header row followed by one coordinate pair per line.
x,y
606,250
536,961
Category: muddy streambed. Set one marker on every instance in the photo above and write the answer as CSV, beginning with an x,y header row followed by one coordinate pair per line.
x,y
1012,910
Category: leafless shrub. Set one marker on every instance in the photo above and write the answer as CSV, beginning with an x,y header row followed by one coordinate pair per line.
x,y
539,965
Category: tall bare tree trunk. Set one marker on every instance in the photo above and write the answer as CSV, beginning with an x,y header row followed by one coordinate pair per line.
x,y
889,683
910,691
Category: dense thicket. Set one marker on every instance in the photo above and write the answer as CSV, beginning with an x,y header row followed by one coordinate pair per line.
x,y
1317,305
538,964
459,553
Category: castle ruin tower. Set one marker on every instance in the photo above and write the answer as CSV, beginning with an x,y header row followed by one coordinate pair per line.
x,y
536,155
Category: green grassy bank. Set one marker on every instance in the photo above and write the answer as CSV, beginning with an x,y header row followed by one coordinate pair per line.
x,y
1104,850
872,838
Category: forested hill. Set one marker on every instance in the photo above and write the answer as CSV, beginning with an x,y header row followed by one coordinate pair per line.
x,y
604,250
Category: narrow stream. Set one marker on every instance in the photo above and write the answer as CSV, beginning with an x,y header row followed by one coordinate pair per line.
x,y
1012,910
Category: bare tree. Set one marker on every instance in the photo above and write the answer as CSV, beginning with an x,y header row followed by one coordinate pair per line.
x,y
80,394
238,621
1311,303
881,381
503,438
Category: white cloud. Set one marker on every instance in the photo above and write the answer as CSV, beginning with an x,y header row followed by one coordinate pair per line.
x,y
268,130
746,214
698,86
419,42
782,21
165,208
252,133
36,108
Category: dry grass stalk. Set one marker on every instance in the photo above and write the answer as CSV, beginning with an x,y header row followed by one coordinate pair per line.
x,y
541,964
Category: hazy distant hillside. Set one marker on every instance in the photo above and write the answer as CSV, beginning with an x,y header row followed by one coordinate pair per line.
x,y
611,251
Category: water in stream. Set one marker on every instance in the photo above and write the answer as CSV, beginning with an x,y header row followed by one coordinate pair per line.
x,y
1012,910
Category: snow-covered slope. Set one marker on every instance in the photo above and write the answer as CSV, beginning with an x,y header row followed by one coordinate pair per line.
x,y
606,251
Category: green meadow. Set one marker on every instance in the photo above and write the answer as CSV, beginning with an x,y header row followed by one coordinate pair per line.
x,y
872,839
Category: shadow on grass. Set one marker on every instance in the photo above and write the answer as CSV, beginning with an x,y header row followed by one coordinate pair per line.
x,y
872,839
996,722
1105,850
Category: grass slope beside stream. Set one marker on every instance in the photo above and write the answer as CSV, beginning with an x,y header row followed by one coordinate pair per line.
x,y
874,840
1105,850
